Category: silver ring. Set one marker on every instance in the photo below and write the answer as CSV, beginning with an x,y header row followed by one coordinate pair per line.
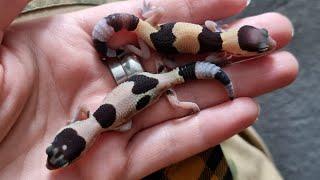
x,y
125,68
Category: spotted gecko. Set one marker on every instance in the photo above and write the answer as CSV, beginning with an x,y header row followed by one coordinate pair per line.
x,y
127,99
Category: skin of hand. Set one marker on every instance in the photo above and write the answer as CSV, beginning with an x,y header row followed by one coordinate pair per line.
x,y
48,67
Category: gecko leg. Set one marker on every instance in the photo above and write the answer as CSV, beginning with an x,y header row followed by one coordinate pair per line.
x,y
173,98
81,114
150,14
174,101
143,52
125,127
220,59
214,27
160,66
214,58
169,62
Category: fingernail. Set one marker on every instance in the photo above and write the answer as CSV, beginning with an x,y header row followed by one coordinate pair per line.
x,y
292,32
258,106
248,2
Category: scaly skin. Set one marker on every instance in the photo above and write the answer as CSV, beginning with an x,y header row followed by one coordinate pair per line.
x,y
120,105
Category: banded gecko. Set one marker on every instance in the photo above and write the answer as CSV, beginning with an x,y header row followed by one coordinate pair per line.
x,y
127,99
180,38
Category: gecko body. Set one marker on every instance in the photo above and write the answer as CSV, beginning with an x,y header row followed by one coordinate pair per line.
x,y
182,37
123,102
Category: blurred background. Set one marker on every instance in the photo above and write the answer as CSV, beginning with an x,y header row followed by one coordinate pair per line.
x,y
289,120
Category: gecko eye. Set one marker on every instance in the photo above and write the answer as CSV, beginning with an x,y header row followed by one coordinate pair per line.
x,y
255,40
66,147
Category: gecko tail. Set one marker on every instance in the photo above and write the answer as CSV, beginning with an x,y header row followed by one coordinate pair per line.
x,y
105,29
207,70
223,77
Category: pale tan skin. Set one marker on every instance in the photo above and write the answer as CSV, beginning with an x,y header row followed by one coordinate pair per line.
x,y
53,81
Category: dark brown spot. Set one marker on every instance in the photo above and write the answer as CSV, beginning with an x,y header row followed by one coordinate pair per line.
x,y
222,77
143,102
188,71
114,20
133,23
209,41
122,20
163,39
143,83
105,115
100,47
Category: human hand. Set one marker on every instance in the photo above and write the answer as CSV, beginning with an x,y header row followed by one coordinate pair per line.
x,y
49,67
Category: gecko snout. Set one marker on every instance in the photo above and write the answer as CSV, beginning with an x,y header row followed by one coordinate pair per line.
x,y
56,158
66,147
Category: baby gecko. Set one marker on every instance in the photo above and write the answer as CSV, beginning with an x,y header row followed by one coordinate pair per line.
x,y
180,37
127,99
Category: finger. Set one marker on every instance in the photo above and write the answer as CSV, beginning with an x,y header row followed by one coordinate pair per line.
x,y
9,10
198,11
213,94
281,34
179,10
172,141
250,79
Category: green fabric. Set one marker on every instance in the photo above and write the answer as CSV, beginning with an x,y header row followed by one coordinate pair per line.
x,y
42,4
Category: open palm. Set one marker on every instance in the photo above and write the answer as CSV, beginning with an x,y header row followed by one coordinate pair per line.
x,y
49,68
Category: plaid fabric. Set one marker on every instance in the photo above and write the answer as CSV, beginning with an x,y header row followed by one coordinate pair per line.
x,y
210,164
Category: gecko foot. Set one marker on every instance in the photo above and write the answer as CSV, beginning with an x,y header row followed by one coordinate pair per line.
x,y
213,26
125,127
174,101
81,114
151,14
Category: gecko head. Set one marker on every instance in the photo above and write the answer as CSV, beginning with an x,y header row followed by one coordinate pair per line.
x,y
66,147
249,41
255,40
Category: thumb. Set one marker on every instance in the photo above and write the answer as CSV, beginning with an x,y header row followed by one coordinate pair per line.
x,y
9,9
